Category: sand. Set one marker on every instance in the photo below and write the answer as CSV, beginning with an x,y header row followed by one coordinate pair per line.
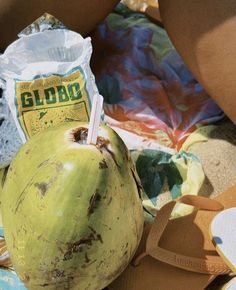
x,y
218,156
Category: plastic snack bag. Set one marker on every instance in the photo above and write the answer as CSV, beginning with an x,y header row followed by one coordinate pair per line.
x,y
48,81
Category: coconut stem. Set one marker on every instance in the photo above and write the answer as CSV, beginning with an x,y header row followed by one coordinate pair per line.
x,y
80,135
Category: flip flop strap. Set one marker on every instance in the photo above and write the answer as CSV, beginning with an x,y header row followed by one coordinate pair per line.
x,y
212,265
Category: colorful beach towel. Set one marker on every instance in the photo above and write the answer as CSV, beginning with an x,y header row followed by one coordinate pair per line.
x,y
147,88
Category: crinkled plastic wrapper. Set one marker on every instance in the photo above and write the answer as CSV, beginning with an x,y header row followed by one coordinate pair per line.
x,y
47,80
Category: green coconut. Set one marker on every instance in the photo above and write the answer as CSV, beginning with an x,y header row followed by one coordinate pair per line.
x,y
72,212
3,173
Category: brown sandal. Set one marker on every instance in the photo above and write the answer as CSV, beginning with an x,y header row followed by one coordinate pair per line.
x,y
178,254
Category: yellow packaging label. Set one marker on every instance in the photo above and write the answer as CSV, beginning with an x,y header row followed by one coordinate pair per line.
x,y
48,101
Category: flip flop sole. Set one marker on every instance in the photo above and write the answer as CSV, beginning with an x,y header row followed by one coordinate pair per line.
x,y
223,233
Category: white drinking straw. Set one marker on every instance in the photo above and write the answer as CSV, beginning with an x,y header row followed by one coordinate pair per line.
x,y
95,119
